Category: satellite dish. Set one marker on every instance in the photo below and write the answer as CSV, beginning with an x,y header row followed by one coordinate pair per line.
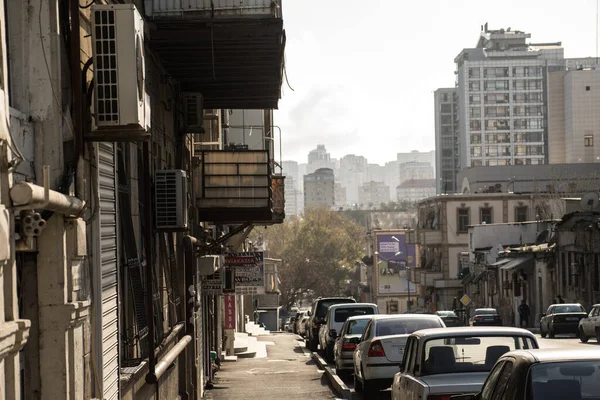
x,y
543,237
589,201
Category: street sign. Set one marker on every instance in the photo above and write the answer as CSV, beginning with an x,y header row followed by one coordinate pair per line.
x,y
213,284
465,300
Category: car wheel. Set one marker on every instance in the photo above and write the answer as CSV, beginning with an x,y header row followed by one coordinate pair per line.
x,y
542,333
369,388
582,336
598,335
358,387
329,354
312,345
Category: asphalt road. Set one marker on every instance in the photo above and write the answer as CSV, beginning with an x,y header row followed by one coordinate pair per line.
x,y
561,341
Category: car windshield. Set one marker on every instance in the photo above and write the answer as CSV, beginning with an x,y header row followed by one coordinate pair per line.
x,y
357,327
401,326
567,309
342,314
324,306
446,314
486,311
565,380
469,354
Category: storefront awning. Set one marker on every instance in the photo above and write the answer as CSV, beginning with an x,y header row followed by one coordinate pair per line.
x,y
515,262
501,262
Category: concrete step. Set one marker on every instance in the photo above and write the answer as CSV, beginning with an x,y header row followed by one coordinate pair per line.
x,y
230,358
238,350
246,354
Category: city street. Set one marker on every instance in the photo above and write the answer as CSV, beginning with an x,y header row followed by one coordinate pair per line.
x,y
561,341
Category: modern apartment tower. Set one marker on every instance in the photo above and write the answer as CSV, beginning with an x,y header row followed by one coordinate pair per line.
x,y
319,188
447,147
501,86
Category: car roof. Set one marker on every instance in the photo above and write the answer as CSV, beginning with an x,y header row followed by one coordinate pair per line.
x,y
557,354
352,305
485,309
359,317
472,331
404,316
565,304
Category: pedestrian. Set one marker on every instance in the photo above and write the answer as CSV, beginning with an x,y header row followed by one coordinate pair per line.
x,y
559,300
523,314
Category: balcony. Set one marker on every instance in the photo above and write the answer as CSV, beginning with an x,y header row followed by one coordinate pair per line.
x,y
238,187
231,51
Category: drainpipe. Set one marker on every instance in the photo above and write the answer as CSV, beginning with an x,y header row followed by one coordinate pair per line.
x,y
189,244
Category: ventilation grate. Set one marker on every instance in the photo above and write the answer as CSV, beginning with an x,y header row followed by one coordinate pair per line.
x,y
170,202
105,68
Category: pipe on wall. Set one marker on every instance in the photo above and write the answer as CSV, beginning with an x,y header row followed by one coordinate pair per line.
x,y
189,244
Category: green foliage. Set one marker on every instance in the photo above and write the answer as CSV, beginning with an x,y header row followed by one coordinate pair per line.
x,y
318,251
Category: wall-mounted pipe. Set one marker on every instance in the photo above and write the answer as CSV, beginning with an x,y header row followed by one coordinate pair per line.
x,y
189,244
168,358
28,196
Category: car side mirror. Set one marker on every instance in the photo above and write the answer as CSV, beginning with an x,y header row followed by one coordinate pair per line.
x,y
355,340
543,314
332,333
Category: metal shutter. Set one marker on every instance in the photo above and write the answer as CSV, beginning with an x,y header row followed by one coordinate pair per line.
x,y
105,277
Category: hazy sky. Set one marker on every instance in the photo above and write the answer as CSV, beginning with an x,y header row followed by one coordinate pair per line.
x,y
364,72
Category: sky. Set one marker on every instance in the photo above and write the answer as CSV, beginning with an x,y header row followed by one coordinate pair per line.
x,y
363,73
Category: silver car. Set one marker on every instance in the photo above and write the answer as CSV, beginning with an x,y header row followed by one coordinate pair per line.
x,y
346,343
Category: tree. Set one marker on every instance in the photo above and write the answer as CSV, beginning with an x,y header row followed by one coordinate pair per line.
x,y
318,252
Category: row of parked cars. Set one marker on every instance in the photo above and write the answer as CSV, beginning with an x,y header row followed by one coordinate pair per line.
x,y
422,358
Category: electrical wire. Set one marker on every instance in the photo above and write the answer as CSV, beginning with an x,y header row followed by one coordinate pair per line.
x,y
88,5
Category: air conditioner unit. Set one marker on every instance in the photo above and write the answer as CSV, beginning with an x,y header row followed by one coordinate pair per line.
x,y
171,200
121,104
193,112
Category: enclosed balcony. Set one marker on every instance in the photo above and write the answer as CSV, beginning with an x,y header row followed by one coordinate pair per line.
x,y
231,51
238,187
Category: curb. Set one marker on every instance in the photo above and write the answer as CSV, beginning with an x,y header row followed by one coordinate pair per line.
x,y
338,385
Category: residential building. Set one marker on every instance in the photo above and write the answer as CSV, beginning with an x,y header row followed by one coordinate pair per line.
x,y
373,194
414,190
319,158
502,100
319,188
340,195
566,180
352,174
291,197
291,169
415,170
391,174
375,172
573,119
115,259
443,239
417,156
447,148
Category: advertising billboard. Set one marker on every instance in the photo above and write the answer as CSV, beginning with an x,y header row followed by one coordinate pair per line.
x,y
393,259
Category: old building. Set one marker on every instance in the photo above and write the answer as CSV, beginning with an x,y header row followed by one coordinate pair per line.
x,y
319,188
116,121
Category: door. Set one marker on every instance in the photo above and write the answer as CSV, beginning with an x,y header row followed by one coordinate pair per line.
x,y
105,262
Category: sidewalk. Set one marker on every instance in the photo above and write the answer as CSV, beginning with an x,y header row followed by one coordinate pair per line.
x,y
287,372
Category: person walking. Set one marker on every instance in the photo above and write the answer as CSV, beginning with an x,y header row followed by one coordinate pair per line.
x,y
559,299
523,314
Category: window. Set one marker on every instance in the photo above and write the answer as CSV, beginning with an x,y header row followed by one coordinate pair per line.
x,y
496,124
521,214
475,112
446,108
588,141
474,72
446,119
476,138
587,88
502,382
475,125
463,220
476,151
475,99
485,215
474,86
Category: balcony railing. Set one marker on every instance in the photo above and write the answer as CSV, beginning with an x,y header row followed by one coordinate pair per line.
x,y
217,9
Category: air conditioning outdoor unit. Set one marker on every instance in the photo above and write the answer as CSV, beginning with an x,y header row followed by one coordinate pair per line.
x,y
121,104
171,200
193,112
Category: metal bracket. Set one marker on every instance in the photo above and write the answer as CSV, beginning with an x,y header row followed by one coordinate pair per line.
x,y
227,236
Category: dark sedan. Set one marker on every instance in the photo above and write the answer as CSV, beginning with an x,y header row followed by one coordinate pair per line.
x,y
449,317
486,317
562,319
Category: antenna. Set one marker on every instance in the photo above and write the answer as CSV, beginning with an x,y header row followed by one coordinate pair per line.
x,y
589,201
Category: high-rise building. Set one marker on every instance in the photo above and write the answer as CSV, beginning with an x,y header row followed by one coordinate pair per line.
x,y
373,194
339,194
352,174
418,156
290,168
319,188
291,196
415,170
500,85
573,117
319,158
391,174
375,172
414,190
447,149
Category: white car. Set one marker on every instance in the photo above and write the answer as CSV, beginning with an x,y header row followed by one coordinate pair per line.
x,y
590,325
346,342
439,363
336,316
379,353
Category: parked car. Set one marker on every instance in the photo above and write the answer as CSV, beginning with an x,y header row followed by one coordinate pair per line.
x,y
299,316
590,325
292,324
439,363
544,374
346,342
486,317
286,325
302,326
318,313
381,348
561,319
449,317
336,316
